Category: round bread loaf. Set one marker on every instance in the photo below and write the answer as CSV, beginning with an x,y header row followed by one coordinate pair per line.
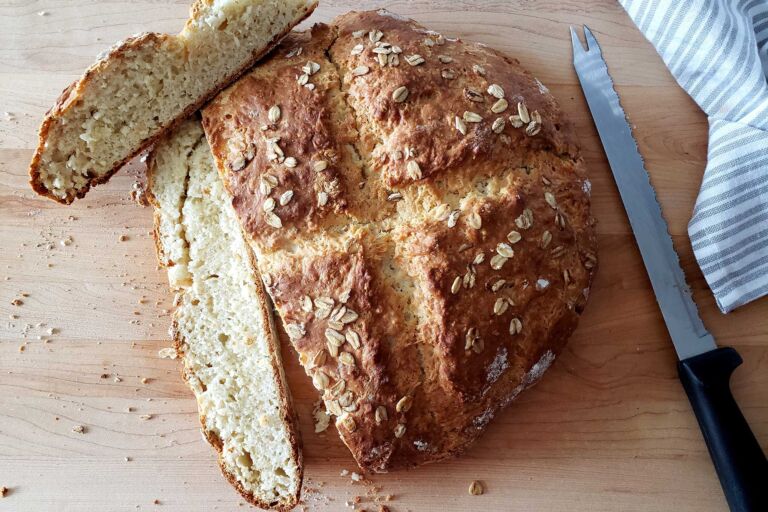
x,y
420,215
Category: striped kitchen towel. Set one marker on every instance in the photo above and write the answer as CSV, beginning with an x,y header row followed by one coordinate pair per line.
x,y
717,51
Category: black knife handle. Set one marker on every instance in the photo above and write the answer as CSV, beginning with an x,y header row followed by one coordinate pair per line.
x,y
738,458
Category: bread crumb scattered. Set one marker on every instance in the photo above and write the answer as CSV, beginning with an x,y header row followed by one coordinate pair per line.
x,y
356,477
17,302
476,488
145,417
78,429
167,353
139,195
3,491
123,237
144,380
321,416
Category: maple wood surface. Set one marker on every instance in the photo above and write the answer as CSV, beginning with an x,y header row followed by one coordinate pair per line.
x,y
608,428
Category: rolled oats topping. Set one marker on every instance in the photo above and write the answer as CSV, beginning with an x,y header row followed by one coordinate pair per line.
x,y
319,358
478,69
453,218
460,125
286,197
525,220
473,95
504,249
269,204
320,380
334,337
381,414
415,59
352,338
472,117
456,286
546,239
498,261
310,68
515,326
516,121
498,125
360,70
474,220
274,114
273,220
414,170
375,35
448,74
348,422
522,112
500,306
496,91
500,106
404,404
295,331
400,94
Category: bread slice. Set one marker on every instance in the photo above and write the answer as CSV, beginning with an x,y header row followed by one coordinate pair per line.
x,y
146,84
223,328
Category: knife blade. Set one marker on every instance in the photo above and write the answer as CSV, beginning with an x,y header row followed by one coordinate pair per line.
x,y
703,368
688,333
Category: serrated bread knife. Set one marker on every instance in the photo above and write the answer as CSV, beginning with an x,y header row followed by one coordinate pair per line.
x,y
703,368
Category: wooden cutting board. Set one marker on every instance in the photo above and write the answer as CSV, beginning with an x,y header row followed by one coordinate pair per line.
x,y
608,428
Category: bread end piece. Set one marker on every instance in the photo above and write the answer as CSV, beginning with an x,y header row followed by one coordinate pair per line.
x,y
222,327
144,86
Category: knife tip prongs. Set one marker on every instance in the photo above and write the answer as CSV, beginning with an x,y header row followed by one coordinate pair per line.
x,y
578,47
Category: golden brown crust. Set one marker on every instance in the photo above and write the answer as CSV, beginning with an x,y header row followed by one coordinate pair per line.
x,y
72,92
287,411
434,293
438,92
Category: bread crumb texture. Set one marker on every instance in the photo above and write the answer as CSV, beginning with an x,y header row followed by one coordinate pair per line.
x,y
222,326
420,215
143,85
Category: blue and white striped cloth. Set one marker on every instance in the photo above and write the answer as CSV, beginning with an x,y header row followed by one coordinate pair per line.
x,y
717,51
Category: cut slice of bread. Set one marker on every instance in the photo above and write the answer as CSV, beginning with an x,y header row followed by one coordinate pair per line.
x,y
223,328
148,83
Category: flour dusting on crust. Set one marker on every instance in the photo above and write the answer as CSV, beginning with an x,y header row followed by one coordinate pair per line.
x,y
542,88
529,379
499,364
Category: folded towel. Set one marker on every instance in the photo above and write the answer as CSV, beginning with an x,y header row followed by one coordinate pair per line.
x,y
717,51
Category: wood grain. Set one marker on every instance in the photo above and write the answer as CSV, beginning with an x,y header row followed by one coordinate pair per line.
x,y
607,429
